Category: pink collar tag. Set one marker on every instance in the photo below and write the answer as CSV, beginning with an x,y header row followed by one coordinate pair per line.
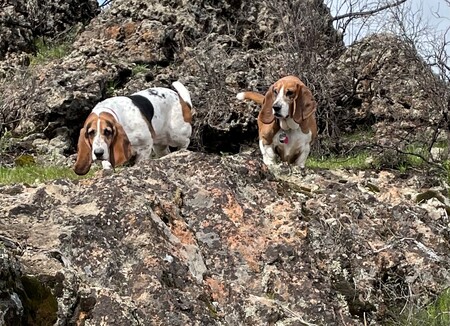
x,y
284,139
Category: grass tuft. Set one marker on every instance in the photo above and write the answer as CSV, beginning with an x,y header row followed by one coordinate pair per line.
x,y
49,51
138,69
358,161
36,174
435,314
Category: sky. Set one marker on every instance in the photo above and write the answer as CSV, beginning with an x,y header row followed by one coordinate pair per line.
x,y
435,14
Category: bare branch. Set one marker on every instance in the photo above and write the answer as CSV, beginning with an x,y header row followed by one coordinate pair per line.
x,y
369,12
105,3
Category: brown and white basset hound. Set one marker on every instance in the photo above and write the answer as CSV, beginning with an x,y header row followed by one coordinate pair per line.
x,y
123,127
286,123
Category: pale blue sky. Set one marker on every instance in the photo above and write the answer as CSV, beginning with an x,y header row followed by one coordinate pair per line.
x,y
433,16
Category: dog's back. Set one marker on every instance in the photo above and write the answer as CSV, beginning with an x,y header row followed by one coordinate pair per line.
x,y
172,115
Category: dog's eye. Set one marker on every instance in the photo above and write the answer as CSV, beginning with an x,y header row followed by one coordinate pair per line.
x,y
289,93
275,91
107,132
91,133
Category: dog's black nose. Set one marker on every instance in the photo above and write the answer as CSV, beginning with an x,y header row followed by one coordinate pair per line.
x,y
276,107
99,152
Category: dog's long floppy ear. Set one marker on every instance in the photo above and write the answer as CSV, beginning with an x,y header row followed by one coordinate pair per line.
x,y
304,104
84,156
266,114
121,150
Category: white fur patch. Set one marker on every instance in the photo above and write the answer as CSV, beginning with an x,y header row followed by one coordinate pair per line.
x,y
269,156
281,101
240,96
183,92
99,144
298,142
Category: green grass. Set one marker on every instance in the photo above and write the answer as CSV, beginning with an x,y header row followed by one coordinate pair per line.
x,y
111,86
413,156
36,174
439,312
49,51
359,161
435,314
139,68
359,135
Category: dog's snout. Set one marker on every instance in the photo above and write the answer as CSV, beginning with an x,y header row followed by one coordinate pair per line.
x,y
276,107
99,152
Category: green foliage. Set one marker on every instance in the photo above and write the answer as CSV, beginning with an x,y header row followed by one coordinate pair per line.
x,y
33,174
139,68
435,314
111,87
5,140
48,50
359,136
24,160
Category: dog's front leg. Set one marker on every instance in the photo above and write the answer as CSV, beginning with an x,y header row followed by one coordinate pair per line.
x,y
160,150
269,156
301,160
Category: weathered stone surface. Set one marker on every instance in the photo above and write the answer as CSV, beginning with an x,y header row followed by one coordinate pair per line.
x,y
197,239
23,21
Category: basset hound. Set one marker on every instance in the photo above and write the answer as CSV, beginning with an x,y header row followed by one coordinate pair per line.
x,y
286,123
124,127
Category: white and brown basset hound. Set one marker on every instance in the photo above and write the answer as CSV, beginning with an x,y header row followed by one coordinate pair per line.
x,y
123,127
286,123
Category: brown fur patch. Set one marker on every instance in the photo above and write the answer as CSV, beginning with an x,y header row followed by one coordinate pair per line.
x,y
186,109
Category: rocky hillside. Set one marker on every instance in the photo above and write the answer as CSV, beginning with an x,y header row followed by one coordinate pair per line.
x,y
215,48
210,236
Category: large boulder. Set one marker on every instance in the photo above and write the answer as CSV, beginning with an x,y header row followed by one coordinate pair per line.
x,y
200,239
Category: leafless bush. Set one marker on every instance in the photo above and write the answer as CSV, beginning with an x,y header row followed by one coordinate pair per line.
x,y
433,47
10,116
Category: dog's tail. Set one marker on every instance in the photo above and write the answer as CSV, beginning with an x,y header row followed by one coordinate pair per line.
x,y
256,97
183,92
185,100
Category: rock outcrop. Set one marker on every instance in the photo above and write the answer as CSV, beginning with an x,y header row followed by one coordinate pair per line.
x,y
200,239
383,84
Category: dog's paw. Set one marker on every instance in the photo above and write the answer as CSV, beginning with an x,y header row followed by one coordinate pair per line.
x,y
281,168
106,165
